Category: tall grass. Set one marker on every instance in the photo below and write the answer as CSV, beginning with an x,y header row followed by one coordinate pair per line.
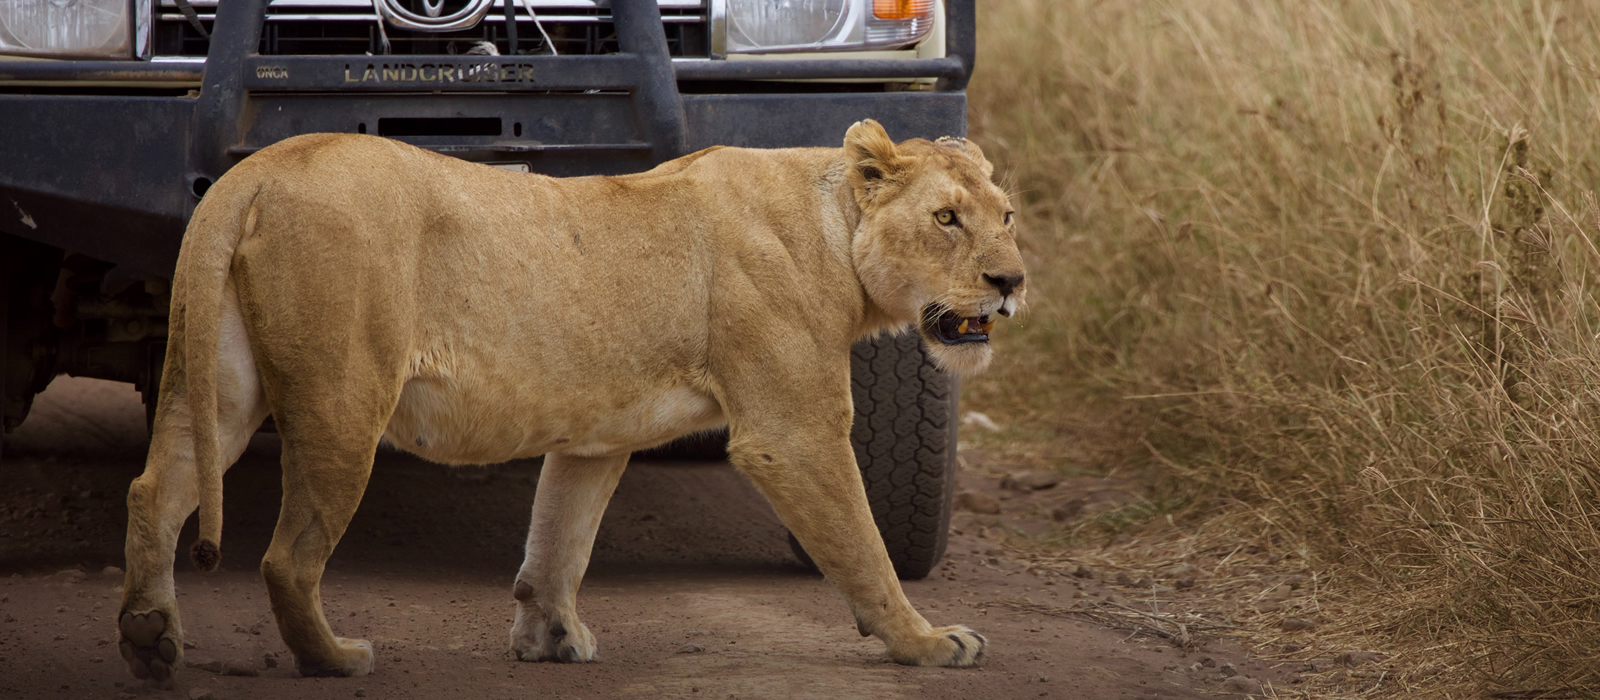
x,y
1334,264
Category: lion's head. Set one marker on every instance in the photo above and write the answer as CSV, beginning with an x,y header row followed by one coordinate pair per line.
x,y
936,242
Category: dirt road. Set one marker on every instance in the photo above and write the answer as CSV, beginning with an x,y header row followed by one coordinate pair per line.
x,y
692,591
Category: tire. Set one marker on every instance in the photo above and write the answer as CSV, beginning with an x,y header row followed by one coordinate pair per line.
x,y
905,443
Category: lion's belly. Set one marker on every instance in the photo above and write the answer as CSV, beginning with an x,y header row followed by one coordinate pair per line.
x,y
442,423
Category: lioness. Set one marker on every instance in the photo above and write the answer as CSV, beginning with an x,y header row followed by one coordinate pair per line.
x,y
332,282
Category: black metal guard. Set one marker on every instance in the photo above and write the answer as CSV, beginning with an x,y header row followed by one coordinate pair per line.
x,y
960,41
234,69
658,104
234,38
100,71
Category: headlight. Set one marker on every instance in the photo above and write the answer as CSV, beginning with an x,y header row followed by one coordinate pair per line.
x,y
777,26
72,28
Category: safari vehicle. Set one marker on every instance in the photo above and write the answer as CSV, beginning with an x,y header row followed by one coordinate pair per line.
x,y
117,115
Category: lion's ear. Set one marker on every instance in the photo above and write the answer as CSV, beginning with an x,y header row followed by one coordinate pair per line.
x,y
970,149
871,157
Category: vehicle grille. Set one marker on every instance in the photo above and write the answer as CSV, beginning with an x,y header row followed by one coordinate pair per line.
x,y
350,27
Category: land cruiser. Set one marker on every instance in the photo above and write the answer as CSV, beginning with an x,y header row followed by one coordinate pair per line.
x,y
117,115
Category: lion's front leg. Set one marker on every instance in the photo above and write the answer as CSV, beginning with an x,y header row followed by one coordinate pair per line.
x,y
808,471
572,496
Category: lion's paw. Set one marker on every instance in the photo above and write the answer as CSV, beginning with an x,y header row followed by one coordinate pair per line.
x,y
943,646
354,658
148,645
533,639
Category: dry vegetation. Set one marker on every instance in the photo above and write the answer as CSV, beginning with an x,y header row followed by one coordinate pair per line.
x,y
1330,270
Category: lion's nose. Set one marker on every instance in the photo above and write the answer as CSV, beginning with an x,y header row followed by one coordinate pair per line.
x,y
1004,283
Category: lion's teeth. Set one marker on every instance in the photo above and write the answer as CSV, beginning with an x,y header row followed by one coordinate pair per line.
x,y
987,326
963,327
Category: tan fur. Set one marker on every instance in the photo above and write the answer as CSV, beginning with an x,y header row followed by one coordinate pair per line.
x,y
361,290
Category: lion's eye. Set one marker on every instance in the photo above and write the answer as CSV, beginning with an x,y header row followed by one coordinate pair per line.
x,y
945,217
1008,217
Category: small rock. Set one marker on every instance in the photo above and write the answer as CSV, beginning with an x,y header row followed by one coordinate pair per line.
x,y
111,571
691,649
980,420
361,692
1291,648
1030,481
190,645
1122,538
1183,584
1240,684
1355,658
1296,624
1067,511
239,668
1123,579
271,660
201,694
1083,572
71,576
1228,671
980,503
1208,662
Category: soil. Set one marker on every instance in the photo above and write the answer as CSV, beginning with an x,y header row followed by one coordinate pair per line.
x,y
692,591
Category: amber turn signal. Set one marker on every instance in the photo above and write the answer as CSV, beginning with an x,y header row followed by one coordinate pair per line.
x,y
901,9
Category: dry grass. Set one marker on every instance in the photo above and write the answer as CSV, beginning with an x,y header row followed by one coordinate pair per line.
x,y
1330,268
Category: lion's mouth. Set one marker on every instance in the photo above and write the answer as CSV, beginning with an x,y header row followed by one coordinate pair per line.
x,y
950,329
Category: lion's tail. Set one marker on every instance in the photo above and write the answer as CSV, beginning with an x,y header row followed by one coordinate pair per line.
x,y
204,264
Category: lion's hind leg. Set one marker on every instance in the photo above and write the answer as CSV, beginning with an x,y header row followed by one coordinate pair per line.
x,y
163,497
571,498
326,463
